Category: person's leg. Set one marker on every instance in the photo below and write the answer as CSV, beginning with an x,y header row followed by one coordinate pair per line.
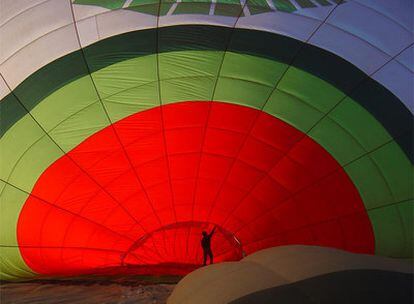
x,y
204,257
210,253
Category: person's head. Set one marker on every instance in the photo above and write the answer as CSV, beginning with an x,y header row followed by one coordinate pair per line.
x,y
204,233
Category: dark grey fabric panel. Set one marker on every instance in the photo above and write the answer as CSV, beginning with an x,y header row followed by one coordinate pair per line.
x,y
345,287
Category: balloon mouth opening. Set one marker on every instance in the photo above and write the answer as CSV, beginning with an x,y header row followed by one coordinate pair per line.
x,y
176,249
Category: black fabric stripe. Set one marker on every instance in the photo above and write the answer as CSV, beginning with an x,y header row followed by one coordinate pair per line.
x,y
375,98
350,287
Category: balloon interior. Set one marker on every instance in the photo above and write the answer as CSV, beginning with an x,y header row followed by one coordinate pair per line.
x,y
130,127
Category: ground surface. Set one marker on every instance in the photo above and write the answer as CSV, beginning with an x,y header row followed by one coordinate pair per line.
x,y
100,290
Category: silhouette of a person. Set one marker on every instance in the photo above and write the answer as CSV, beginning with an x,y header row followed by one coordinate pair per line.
x,y
206,245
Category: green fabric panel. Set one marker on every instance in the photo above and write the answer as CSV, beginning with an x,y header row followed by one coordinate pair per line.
x,y
61,103
119,48
197,65
193,7
10,205
78,127
365,128
228,1
12,266
110,4
11,262
131,101
284,6
385,182
378,99
258,6
2,186
275,47
196,1
313,90
125,75
393,221
332,69
388,230
406,211
242,92
292,110
323,2
230,10
397,171
370,182
16,142
199,38
305,3
189,63
151,7
336,140
10,112
33,162
247,67
192,88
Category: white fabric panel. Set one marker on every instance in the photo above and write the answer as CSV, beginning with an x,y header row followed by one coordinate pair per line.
x,y
290,25
319,13
197,19
362,54
4,90
32,24
86,11
371,26
38,54
399,80
364,32
123,21
88,31
406,58
11,8
400,11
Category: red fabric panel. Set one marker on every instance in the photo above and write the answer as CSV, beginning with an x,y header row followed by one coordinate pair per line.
x,y
147,186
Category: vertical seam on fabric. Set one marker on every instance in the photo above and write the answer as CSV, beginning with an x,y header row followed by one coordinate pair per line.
x,y
109,120
210,105
157,49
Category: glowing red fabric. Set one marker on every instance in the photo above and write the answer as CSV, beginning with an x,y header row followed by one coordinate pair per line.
x,y
151,175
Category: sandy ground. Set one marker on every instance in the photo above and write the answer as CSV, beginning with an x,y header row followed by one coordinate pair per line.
x,y
121,290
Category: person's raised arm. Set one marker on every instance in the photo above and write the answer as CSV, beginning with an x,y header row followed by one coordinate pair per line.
x,y
212,231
